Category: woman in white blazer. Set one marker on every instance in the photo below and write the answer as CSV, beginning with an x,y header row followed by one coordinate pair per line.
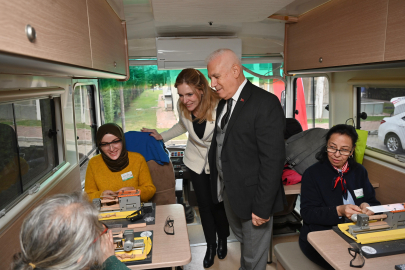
x,y
197,113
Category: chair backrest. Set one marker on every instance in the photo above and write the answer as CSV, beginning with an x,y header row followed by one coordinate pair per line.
x,y
292,127
164,181
160,166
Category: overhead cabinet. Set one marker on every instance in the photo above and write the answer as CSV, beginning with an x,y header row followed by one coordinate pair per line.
x,y
78,33
347,32
49,30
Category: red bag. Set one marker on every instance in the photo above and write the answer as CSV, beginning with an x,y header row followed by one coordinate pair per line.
x,y
290,177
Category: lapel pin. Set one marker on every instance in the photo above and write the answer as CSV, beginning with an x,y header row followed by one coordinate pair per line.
x,y
242,100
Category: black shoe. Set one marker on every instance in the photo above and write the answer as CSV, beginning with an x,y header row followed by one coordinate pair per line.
x,y
222,249
209,256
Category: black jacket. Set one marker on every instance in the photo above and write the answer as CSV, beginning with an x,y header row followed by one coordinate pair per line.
x,y
253,154
319,199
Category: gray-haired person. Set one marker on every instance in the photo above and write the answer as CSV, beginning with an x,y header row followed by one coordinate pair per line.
x,y
64,233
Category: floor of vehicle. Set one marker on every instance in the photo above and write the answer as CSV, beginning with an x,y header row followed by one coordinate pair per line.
x,y
232,260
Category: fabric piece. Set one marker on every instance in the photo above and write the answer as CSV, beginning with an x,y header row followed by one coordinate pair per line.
x,y
147,146
360,145
290,177
122,161
99,177
225,118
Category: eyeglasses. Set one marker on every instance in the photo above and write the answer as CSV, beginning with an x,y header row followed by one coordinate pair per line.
x,y
169,225
343,152
103,232
114,144
353,251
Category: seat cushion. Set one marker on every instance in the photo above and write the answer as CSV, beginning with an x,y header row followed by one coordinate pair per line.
x,y
290,256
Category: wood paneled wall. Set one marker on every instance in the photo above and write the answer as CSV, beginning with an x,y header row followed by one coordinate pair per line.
x,y
10,243
392,182
347,32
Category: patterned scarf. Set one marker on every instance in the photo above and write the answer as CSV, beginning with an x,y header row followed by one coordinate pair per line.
x,y
340,178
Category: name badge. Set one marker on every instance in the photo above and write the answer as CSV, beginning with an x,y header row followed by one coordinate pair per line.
x,y
127,176
359,193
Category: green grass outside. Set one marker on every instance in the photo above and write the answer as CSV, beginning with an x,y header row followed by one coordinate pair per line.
x,y
135,119
388,108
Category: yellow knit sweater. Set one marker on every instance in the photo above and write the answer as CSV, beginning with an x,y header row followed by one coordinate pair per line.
x,y
100,178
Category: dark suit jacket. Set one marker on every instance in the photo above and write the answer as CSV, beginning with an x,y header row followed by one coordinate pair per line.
x,y
253,154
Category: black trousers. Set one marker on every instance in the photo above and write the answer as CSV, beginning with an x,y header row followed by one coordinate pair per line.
x,y
213,216
313,255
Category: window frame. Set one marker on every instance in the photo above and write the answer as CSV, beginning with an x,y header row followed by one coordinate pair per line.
x,y
13,95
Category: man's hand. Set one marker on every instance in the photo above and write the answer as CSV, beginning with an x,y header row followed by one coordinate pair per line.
x,y
108,194
347,210
107,245
153,133
257,221
364,209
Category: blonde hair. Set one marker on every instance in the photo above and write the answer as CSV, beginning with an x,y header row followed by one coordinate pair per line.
x,y
207,102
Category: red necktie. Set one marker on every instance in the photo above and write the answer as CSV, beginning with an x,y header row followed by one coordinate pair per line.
x,y
340,178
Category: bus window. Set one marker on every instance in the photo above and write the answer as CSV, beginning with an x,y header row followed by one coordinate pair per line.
x,y
29,150
85,118
384,113
149,98
311,98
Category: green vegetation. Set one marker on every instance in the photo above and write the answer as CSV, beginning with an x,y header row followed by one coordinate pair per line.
x,y
388,108
142,113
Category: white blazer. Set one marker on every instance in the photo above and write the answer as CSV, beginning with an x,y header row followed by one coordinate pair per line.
x,y
196,153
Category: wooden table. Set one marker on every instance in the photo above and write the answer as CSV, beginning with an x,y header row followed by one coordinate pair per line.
x,y
292,189
334,250
168,250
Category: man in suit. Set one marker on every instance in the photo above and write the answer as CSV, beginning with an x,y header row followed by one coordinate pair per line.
x,y
246,156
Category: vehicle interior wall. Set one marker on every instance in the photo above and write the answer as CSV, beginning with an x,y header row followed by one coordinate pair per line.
x,y
66,178
382,169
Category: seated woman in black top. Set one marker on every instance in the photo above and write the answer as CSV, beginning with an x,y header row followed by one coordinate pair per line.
x,y
334,188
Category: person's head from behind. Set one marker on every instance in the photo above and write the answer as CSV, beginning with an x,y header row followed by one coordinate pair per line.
x,y
225,71
61,233
340,145
195,95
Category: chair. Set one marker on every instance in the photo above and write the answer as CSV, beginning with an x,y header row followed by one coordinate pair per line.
x,y
290,257
162,174
164,181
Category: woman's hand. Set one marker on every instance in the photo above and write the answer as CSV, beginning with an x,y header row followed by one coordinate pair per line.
x,y
126,188
347,210
108,194
153,133
364,209
107,245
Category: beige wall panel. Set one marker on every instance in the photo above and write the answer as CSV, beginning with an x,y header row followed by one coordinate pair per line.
x,y
394,46
107,37
10,243
61,27
342,32
392,182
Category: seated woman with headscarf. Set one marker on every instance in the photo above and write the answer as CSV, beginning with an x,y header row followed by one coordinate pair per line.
x,y
116,169
333,189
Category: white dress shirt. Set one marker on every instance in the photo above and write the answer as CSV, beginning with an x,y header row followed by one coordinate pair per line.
x,y
235,99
